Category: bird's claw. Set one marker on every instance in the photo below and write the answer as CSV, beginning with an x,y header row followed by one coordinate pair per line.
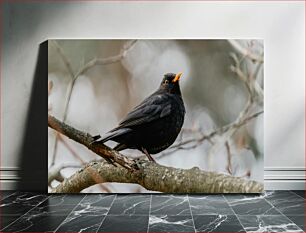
x,y
137,164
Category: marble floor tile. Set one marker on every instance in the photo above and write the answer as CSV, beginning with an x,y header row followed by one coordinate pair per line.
x,y
299,220
266,223
209,205
81,223
170,205
217,223
65,199
88,215
6,193
47,215
20,203
52,210
250,205
57,205
177,223
125,223
130,205
5,220
98,204
274,211
35,223
301,193
287,202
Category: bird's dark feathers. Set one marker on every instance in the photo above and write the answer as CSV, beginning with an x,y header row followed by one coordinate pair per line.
x,y
154,124
112,134
152,108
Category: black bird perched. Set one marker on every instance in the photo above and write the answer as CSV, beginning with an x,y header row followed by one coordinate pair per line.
x,y
154,124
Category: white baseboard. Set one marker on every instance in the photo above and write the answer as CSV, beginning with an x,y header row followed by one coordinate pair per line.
x,y
285,185
9,178
276,178
284,178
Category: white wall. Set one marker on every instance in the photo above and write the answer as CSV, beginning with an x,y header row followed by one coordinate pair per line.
x,y
280,24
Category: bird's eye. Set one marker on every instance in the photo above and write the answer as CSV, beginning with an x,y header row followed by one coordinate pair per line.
x,y
166,81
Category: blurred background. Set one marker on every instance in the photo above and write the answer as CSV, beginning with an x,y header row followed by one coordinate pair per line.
x,y
94,83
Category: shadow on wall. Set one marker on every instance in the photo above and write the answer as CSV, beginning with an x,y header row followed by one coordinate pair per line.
x,y
33,154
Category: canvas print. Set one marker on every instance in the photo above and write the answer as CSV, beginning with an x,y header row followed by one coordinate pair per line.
x,y
169,116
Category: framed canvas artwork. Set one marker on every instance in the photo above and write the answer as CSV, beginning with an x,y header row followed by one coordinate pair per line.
x,y
149,115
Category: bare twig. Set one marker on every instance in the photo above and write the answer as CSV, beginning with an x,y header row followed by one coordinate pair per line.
x,y
245,52
251,78
229,158
50,86
197,141
64,58
103,61
243,118
257,87
73,152
249,82
109,60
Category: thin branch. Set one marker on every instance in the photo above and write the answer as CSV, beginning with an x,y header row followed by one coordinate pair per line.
x,y
74,154
64,58
246,52
103,61
253,84
109,60
219,131
150,175
89,65
50,86
228,130
229,158
243,115
256,85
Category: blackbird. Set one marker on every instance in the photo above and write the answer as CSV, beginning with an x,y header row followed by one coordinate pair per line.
x,y
154,124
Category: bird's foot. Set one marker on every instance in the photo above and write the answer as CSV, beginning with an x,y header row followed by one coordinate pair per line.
x,y
151,158
148,155
137,164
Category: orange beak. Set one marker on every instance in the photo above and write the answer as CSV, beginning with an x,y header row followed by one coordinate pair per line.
x,y
177,77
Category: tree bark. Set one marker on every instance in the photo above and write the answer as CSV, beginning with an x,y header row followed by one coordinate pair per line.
x,y
150,175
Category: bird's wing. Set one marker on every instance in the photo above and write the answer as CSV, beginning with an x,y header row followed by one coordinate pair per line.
x,y
152,108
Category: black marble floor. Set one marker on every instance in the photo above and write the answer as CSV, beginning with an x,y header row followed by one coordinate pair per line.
x,y
273,211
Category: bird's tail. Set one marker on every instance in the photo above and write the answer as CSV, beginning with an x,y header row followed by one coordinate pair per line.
x,y
111,135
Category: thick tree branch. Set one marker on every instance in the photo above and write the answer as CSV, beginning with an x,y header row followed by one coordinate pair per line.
x,y
55,172
150,175
156,177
